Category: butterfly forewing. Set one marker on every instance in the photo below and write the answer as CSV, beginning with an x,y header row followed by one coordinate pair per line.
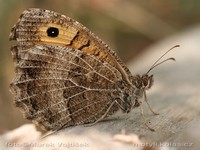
x,y
34,23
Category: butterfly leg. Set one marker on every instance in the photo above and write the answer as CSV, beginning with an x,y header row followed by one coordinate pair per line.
x,y
145,98
142,114
103,116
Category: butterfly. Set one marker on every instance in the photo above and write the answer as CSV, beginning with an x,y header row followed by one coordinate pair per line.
x,y
67,76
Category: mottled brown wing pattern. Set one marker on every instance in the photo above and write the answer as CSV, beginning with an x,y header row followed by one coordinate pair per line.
x,y
59,92
63,80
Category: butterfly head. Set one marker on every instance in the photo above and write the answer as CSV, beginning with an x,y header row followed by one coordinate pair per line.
x,y
144,82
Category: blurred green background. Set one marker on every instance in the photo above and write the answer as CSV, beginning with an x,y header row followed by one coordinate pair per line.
x,y
127,26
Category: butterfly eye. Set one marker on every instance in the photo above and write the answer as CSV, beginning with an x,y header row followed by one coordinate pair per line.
x,y
52,32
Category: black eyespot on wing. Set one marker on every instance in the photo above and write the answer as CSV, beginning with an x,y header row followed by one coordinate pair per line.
x,y
52,32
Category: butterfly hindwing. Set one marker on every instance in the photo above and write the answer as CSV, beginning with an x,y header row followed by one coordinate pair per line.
x,y
58,86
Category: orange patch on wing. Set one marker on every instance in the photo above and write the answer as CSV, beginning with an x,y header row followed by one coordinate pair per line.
x,y
66,35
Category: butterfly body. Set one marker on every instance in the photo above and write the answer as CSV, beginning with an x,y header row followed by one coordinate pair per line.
x,y
67,76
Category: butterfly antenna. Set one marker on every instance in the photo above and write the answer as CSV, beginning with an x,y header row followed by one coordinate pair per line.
x,y
157,63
